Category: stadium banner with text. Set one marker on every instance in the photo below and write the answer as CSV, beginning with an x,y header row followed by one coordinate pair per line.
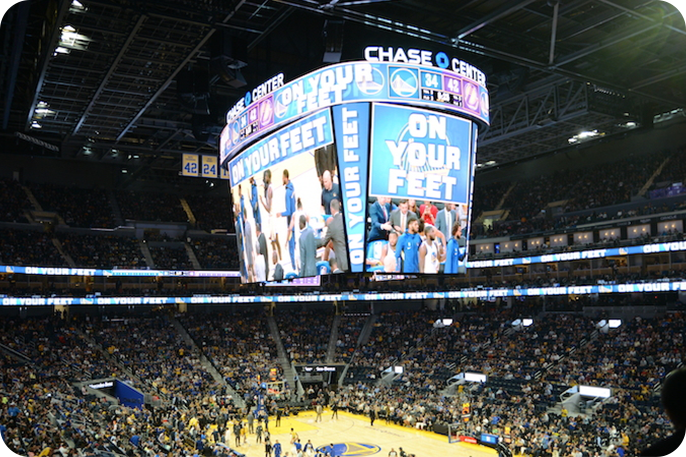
x,y
351,123
274,103
483,294
209,166
427,155
128,396
189,165
675,246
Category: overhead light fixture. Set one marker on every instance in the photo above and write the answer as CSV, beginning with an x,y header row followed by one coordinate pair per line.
x,y
77,4
61,50
490,162
585,136
36,125
124,170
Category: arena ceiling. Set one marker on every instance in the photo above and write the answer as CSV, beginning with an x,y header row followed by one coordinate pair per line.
x,y
139,82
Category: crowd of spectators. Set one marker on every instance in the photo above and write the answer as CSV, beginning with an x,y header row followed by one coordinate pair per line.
x,y
216,253
527,369
150,206
78,207
675,169
587,188
488,196
348,335
170,256
44,414
13,202
615,183
29,248
305,335
102,251
212,213
154,352
238,345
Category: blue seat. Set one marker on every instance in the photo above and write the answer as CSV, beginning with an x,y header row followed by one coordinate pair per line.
x,y
374,250
323,267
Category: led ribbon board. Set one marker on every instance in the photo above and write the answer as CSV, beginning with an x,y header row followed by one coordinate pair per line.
x,y
432,87
398,126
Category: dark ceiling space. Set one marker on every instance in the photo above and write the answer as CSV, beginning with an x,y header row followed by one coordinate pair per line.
x,y
108,80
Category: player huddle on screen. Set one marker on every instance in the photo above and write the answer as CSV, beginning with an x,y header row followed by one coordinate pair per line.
x,y
312,238
404,238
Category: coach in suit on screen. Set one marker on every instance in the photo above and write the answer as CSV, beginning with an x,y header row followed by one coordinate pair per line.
x,y
401,216
335,232
380,215
445,220
308,249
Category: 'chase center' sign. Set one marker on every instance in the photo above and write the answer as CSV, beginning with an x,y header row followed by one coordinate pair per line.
x,y
397,75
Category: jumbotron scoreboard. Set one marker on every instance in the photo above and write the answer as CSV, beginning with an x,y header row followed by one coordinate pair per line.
x,y
394,130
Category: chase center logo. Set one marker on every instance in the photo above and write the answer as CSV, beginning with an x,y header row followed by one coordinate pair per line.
x,y
350,449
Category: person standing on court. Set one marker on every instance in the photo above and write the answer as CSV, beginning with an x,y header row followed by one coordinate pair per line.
x,y
372,416
277,449
319,410
334,408
674,402
258,431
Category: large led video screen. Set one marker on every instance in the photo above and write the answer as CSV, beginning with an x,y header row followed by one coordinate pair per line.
x,y
365,186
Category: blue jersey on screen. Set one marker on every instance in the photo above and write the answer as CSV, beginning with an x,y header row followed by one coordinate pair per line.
x,y
409,244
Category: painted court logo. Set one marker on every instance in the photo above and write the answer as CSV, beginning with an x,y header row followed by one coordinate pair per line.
x,y
350,449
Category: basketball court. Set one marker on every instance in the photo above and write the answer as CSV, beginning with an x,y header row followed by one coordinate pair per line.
x,y
353,436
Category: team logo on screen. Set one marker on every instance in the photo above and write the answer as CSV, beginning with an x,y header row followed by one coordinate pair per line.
x,y
281,102
471,96
373,83
404,82
266,112
350,449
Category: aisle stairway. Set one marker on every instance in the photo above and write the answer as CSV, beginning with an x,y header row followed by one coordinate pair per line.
x,y
191,256
284,360
365,333
331,349
207,363
146,254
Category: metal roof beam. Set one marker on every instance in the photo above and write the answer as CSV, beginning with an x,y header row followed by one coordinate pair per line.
x,y
171,77
643,16
109,73
54,39
509,8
